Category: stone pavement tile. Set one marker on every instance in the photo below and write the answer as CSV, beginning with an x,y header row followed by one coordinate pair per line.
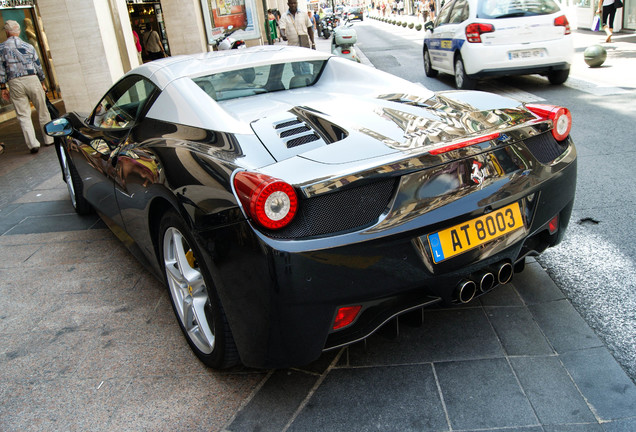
x,y
518,332
581,427
483,394
198,402
535,286
62,404
52,223
553,395
605,386
626,425
398,398
275,403
564,327
505,295
451,334
57,237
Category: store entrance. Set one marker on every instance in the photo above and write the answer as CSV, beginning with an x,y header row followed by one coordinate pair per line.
x,y
145,18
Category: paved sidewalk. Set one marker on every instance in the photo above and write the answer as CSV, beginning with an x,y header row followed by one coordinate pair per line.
x,y
88,342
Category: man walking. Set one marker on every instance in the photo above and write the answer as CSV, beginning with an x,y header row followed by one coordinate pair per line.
x,y
296,27
20,68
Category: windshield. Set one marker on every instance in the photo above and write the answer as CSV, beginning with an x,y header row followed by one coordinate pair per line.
x,y
493,9
260,79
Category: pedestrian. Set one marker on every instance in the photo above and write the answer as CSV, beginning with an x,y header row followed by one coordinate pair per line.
x,y
152,44
316,20
608,9
137,46
296,27
21,70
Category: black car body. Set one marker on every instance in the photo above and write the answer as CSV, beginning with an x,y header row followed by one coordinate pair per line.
x,y
399,197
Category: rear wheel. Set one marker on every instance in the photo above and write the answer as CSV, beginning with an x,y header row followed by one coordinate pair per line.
x,y
463,81
558,77
428,66
73,183
193,296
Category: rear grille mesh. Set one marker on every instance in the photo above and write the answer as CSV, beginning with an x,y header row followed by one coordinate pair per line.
x,y
302,140
544,147
287,123
294,131
347,210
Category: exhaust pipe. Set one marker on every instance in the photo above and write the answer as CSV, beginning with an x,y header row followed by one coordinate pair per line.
x,y
486,281
504,273
466,290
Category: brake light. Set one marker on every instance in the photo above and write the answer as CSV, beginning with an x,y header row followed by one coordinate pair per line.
x,y
345,51
475,30
270,202
563,21
561,118
466,143
345,316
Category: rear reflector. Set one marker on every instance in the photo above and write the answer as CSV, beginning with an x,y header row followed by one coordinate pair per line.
x,y
553,226
270,202
466,143
345,316
561,118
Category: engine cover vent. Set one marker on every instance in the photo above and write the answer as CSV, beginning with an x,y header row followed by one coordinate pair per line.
x,y
294,132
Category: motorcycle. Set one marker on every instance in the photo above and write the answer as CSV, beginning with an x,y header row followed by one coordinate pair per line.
x,y
344,37
326,26
225,42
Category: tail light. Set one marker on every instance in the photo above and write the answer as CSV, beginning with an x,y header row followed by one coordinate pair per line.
x,y
561,118
346,51
465,143
563,21
270,202
475,30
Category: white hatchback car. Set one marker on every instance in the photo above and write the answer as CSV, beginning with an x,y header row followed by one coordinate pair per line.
x,y
472,39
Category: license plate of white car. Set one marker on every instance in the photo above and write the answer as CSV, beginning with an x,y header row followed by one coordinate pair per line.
x,y
523,54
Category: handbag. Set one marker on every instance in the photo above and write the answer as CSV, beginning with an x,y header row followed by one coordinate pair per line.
x,y
596,23
618,4
303,41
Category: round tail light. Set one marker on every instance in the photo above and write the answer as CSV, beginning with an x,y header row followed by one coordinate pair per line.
x,y
270,202
561,118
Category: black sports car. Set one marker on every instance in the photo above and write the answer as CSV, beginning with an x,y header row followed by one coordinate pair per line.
x,y
294,202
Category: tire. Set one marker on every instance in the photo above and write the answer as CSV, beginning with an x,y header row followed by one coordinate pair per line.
x,y
193,296
73,183
559,77
428,66
463,81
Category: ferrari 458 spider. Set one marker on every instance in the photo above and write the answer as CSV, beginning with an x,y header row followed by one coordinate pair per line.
x,y
294,202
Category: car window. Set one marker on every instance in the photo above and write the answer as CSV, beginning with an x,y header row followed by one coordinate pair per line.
x,y
493,9
260,79
444,14
123,103
459,12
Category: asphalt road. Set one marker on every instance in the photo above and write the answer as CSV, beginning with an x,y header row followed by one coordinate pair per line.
x,y
595,266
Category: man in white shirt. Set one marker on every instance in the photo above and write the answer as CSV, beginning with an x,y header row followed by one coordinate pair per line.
x,y
296,25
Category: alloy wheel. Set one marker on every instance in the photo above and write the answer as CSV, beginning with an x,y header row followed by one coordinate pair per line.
x,y
188,290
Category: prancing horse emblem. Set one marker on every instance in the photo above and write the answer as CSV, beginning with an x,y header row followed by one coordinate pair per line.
x,y
477,175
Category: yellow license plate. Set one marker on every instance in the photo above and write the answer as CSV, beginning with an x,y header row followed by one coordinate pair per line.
x,y
468,235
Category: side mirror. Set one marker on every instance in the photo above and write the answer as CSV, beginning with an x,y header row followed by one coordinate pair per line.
x,y
58,127
429,26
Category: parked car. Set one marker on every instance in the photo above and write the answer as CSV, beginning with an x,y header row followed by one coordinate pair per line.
x,y
354,13
294,202
474,39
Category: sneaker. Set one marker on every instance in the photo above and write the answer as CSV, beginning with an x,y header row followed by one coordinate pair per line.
x,y
34,150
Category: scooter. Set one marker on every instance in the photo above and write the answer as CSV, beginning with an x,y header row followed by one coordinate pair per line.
x,y
344,37
326,26
225,42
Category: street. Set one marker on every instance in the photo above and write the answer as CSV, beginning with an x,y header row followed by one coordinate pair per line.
x,y
89,340
595,265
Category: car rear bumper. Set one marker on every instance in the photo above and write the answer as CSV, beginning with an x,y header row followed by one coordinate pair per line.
x,y
483,60
281,301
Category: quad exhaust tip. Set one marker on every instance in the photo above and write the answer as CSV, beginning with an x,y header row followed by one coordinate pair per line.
x,y
486,282
504,273
466,290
